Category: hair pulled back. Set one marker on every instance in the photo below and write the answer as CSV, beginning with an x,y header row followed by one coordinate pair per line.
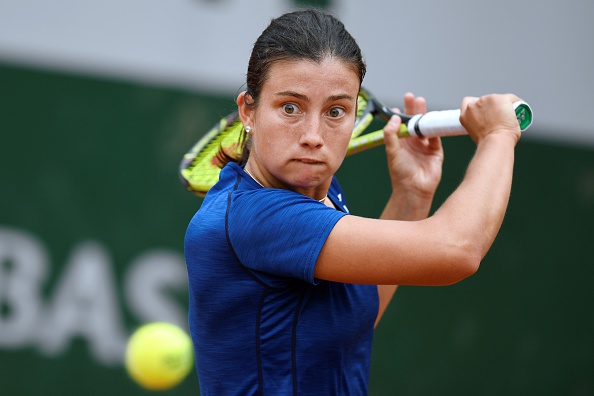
x,y
308,34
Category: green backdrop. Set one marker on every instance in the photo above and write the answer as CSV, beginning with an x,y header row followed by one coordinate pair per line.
x,y
92,219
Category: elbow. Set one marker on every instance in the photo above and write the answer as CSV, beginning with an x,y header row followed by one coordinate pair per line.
x,y
468,265
463,263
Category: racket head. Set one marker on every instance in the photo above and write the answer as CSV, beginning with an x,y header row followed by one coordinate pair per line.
x,y
200,166
368,107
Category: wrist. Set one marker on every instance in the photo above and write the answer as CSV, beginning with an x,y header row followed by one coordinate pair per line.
x,y
503,136
408,205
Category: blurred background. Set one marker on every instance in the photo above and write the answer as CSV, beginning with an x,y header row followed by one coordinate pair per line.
x,y
99,101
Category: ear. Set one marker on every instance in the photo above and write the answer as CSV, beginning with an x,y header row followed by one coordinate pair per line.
x,y
246,113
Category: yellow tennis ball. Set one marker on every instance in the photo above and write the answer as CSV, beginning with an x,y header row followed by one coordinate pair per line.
x,y
159,355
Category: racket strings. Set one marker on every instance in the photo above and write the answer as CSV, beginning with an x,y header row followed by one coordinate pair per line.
x,y
361,106
203,163
366,113
363,116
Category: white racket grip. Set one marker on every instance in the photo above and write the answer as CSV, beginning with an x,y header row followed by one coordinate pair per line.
x,y
447,122
436,123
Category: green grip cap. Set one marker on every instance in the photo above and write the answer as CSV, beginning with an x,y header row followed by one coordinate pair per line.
x,y
523,114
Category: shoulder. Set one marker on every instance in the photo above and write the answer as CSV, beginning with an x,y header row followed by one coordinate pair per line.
x,y
279,232
272,203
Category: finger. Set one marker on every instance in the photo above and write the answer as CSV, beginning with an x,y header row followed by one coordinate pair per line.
x,y
420,105
434,143
413,105
391,133
409,103
467,101
511,97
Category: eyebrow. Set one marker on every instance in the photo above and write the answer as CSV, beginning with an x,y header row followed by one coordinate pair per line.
x,y
306,98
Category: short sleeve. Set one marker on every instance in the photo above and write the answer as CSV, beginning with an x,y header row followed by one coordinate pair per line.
x,y
279,232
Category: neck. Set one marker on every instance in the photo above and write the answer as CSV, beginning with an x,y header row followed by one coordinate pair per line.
x,y
323,200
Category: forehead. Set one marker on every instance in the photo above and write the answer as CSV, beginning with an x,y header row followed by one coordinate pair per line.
x,y
309,75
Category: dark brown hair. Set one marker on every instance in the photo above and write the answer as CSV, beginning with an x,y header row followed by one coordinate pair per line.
x,y
308,34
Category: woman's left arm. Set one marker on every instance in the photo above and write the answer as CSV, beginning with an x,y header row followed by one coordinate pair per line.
x,y
415,172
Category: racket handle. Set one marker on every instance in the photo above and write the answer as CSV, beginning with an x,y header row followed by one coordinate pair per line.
x,y
447,122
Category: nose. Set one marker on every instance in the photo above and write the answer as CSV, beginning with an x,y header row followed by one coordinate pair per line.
x,y
311,135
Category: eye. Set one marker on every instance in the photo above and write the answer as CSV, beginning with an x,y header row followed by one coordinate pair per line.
x,y
336,112
289,108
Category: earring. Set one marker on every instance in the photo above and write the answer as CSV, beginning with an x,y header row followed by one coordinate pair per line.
x,y
248,130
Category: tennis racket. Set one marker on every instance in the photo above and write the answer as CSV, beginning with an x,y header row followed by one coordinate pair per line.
x,y
200,167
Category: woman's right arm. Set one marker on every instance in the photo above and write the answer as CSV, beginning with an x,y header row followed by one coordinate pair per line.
x,y
448,246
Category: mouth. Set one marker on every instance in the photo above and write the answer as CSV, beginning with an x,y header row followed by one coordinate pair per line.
x,y
309,161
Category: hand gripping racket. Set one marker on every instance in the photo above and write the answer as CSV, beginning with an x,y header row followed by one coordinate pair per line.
x,y
200,167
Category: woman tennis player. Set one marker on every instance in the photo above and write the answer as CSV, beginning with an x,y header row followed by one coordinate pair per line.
x,y
285,284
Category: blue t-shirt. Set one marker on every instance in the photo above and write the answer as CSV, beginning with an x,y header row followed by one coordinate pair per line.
x,y
261,324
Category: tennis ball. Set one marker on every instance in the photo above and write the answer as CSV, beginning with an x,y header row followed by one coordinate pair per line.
x,y
159,355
